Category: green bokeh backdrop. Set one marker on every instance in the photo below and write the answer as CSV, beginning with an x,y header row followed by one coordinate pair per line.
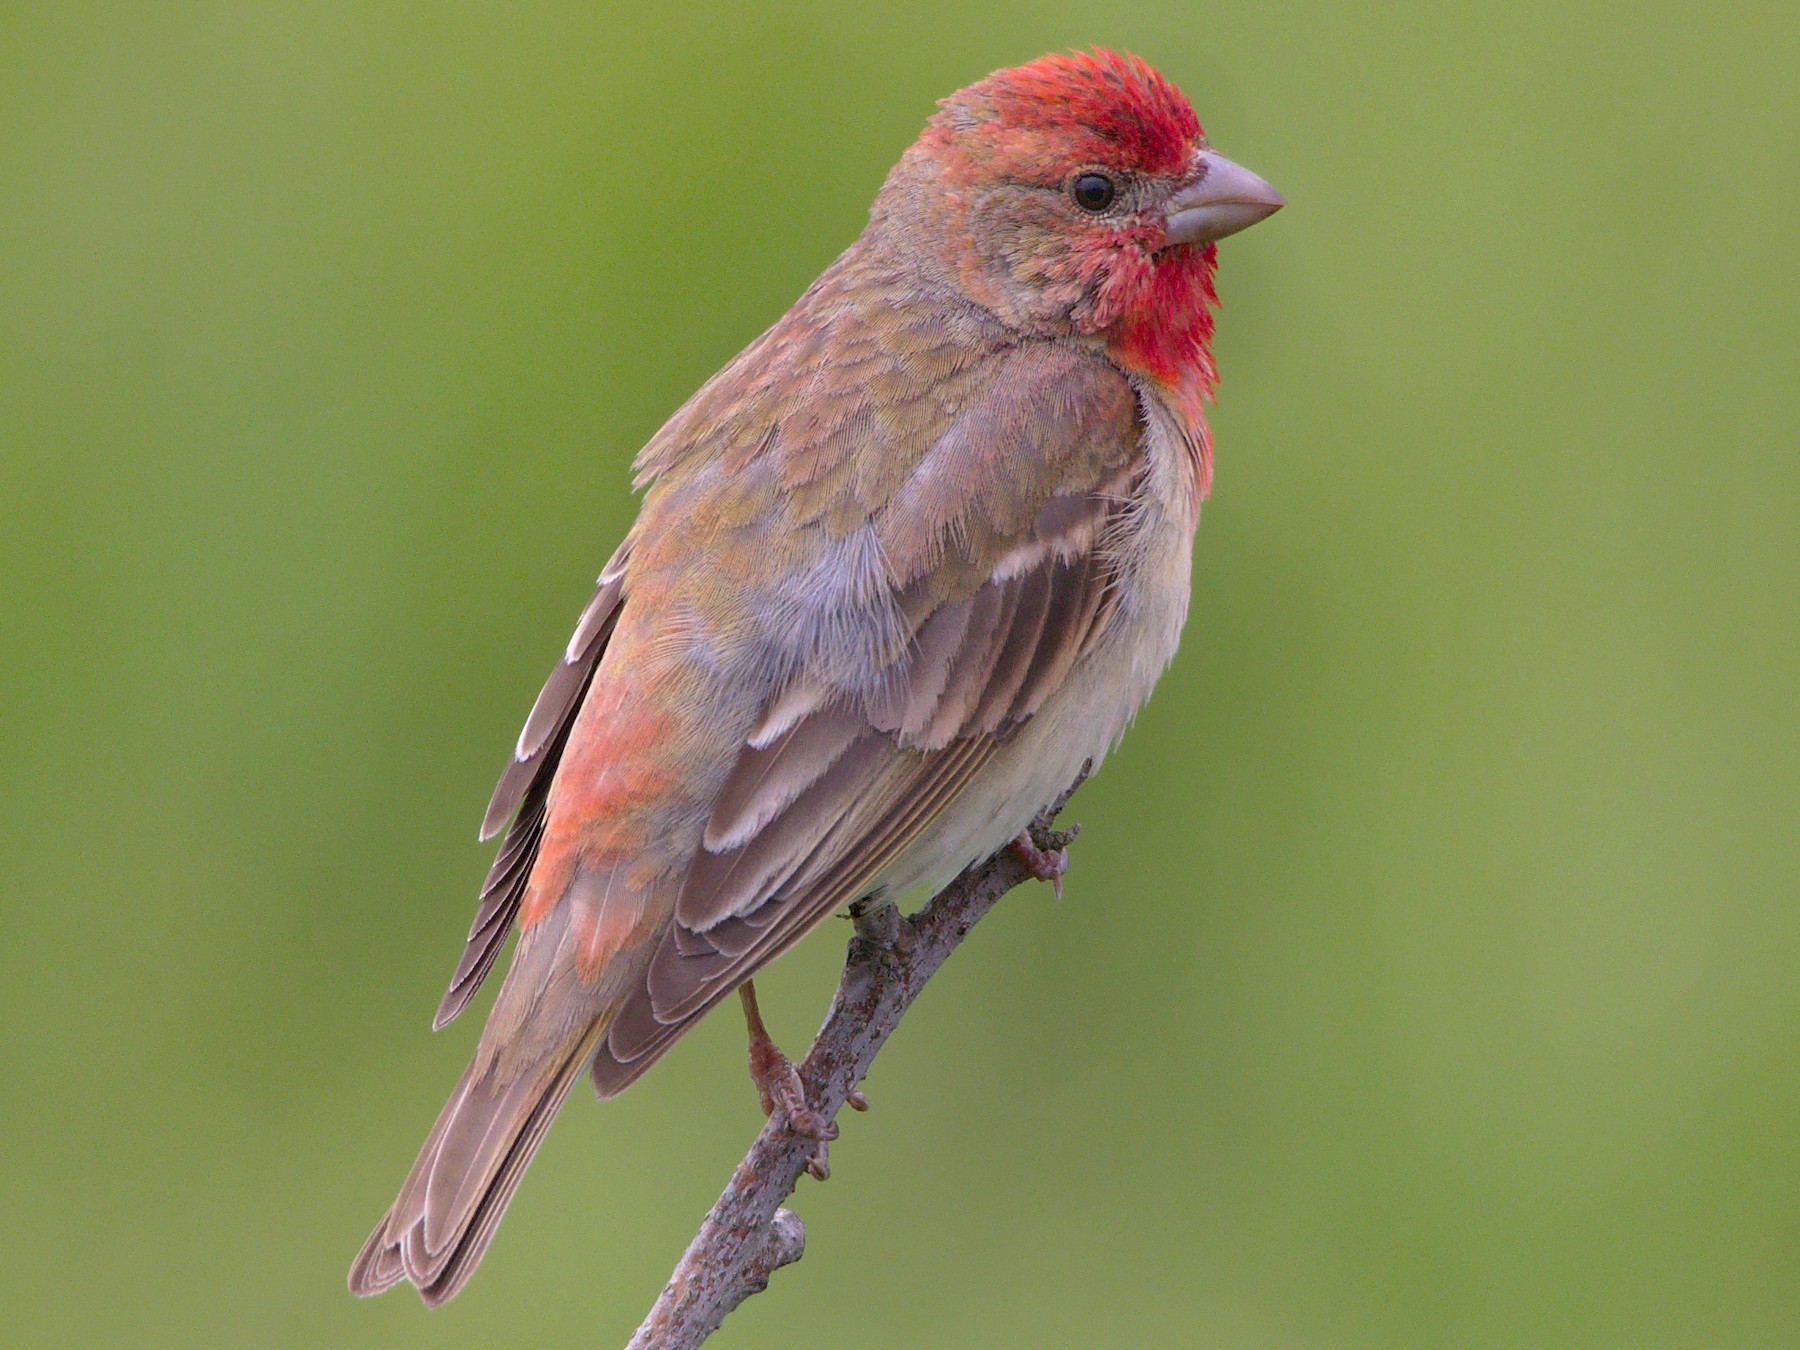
x,y
1429,973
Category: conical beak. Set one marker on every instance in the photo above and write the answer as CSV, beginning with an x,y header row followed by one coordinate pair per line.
x,y
1223,199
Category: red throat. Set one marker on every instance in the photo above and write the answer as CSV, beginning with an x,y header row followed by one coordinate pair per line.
x,y
1150,303
1160,329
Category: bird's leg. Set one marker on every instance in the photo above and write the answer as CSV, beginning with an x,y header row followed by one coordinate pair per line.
x,y
778,1086
1046,864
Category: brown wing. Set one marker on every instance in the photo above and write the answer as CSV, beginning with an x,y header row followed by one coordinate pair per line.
x,y
832,787
524,788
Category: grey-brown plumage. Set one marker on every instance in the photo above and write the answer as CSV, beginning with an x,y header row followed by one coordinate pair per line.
x,y
472,1160
902,567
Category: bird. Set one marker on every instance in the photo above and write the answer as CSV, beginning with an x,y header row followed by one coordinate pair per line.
x,y
900,568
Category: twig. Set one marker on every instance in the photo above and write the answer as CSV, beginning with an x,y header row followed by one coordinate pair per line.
x,y
747,1236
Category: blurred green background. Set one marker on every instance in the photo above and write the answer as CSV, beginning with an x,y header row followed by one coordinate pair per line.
x,y
1430,968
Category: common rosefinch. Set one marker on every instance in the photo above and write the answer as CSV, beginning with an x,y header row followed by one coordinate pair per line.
x,y
918,552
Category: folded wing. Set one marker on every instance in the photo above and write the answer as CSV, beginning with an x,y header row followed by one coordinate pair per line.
x,y
1004,585
524,788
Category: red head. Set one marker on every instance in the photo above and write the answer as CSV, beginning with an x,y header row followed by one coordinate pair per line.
x,y
1077,194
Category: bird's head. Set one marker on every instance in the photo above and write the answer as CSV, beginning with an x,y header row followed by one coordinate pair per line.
x,y
1077,194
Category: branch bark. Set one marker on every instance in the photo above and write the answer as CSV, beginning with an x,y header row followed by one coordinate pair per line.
x,y
747,1235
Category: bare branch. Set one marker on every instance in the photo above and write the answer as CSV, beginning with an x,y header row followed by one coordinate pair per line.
x,y
747,1236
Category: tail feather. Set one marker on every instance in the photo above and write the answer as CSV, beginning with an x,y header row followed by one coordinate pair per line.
x,y
543,1031
470,1166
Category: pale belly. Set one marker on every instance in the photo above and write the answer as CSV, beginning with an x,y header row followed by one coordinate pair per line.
x,y
1081,723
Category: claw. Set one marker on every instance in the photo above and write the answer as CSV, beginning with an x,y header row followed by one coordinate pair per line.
x,y
780,1091
1046,864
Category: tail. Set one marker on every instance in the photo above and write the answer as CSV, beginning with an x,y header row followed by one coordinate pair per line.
x,y
541,1035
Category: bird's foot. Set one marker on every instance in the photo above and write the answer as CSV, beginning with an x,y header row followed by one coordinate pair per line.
x,y
780,1091
1046,864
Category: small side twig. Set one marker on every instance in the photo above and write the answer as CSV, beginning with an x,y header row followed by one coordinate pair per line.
x,y
747,1235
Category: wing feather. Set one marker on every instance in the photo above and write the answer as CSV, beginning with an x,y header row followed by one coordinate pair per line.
x,y
560,698
1003,577
644,1029
983,551
523,791
871,776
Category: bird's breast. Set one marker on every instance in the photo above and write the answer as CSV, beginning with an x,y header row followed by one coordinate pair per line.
x,y
1084,719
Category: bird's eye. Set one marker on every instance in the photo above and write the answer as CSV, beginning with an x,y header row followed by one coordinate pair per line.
x,y
1093,191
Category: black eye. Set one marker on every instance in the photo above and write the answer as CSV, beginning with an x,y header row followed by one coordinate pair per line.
x,y
1093,191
